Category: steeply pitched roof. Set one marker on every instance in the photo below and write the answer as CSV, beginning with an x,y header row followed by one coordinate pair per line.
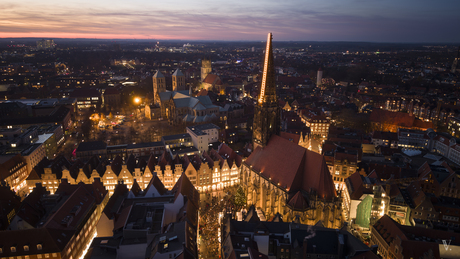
x,y
293,167
212,79
298,202
185,187
158,74
136,189
178,73
156,183
294,138
152,162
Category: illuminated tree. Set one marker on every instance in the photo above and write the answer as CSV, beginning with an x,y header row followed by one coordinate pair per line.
x,y
240,199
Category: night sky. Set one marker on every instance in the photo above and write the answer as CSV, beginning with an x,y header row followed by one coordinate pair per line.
x,y
296,20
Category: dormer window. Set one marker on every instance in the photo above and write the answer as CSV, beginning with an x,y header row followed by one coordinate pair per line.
x,y
26,248
13,249
39,246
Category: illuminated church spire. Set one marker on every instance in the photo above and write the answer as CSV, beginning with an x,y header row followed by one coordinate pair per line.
x,y
267,112
267,96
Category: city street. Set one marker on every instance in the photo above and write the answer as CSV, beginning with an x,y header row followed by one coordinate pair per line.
x,y
212,208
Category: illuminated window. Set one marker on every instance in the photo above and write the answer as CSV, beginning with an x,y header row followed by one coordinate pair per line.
x,y
13,249
26,248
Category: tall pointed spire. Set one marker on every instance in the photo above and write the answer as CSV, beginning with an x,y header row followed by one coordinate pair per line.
x,y
267,95
267,112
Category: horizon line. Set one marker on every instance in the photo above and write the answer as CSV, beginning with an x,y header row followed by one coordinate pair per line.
x,y
258,41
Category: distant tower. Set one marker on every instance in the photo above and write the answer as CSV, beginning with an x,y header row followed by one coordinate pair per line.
x,y
319,78
178,81
456,60
267,112
159,86
205,68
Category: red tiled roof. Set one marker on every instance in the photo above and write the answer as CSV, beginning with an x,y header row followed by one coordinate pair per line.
x,y
33,175
157,184
298,202
207,159
294,167
212,79
389,229
216,157
294,138
416,193
136,189
80,198
185,162
8,165
185,187
117,164
232,156
31,209
152,162
196,161
120,221
164,160
120,191
131,163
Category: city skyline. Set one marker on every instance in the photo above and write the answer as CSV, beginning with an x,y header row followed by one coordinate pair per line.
x,y
354,20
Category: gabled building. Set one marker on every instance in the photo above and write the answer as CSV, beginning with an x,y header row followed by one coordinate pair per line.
x,y
398,241
152,223
55,226
179,107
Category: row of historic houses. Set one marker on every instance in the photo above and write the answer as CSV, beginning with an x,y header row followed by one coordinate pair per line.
x,y
210,172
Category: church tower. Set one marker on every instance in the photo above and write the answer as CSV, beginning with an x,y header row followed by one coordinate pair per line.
x,y
159,86
319,78
205,68
267,112
178,81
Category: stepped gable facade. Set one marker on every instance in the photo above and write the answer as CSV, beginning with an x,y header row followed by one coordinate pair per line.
x,y
210,171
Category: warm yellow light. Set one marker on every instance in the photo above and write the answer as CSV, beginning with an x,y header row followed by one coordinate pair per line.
x,y
264,75
137,100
